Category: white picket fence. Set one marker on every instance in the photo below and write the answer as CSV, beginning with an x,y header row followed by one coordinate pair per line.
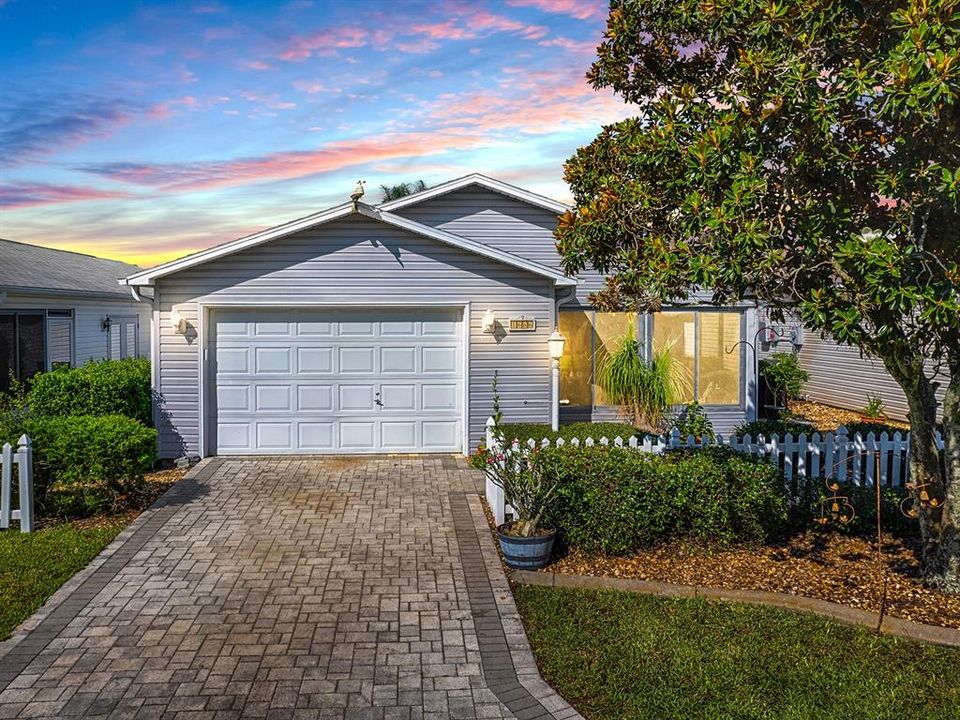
x,y
23,459
841,456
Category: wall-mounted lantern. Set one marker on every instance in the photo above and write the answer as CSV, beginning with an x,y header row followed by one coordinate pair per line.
x,y
177,322
556,343
106,324
489,322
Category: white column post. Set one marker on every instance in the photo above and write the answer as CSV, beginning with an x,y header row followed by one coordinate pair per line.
x,y
26,484
555,394
6,475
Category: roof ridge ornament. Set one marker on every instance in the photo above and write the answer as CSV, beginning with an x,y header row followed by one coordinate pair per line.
x,y
357,193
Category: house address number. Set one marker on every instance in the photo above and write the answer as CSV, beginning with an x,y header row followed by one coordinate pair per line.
x,y
523,325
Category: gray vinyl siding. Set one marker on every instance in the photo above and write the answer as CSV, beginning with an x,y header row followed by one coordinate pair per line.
x,y
360,261
839,376
90,342
501,222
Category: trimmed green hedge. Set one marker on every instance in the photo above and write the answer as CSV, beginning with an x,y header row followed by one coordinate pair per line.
x,y
615,500
767,428
105,387
85,463
581,430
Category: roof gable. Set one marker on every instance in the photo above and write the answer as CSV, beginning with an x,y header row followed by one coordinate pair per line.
x,y
482,181
147,277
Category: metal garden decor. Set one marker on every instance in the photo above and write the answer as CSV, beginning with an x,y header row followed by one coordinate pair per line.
x,y
839,509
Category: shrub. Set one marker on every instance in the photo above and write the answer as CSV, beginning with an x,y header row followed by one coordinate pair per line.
x,y
12,411
106,387
82,463
580,430
864,501
784,375
615,500
693,420
767,428
643,390
866,427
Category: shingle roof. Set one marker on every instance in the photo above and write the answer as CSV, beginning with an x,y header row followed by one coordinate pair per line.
x,y
35,268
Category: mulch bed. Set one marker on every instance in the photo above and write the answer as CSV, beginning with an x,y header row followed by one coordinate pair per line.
x,y
826,418
817,564
155,485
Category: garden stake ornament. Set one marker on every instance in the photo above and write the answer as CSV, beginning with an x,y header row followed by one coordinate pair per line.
x,y
843,512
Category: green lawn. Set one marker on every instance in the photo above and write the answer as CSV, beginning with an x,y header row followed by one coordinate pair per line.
x,y
33,566
622,655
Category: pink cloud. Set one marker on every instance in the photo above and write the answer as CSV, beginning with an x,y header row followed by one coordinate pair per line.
x,y
291,164
165,109
311,87
258,65
575,47
579,9
24,195
325,42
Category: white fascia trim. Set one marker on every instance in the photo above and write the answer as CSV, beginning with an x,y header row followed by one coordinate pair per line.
x,y
472,246
484,181
147,277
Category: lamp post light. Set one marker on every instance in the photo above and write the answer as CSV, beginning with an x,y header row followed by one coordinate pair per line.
x,y
555,343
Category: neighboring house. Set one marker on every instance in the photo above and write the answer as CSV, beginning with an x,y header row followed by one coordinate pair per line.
x,y
379,329
64,307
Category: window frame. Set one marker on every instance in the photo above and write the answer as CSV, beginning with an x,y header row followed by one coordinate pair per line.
x,y
698,311
644,329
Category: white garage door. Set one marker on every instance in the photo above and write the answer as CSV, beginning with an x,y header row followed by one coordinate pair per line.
x,y
351,381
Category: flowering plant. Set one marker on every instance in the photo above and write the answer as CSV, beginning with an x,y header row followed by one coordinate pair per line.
x,y
520,472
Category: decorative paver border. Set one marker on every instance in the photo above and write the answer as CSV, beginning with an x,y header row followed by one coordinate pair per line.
x,y
35,633
506,659
852,616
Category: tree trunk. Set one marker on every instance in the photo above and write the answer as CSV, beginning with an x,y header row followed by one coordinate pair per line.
x,y
926,474
943,568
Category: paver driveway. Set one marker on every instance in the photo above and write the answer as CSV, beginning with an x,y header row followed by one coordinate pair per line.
x,y
289,588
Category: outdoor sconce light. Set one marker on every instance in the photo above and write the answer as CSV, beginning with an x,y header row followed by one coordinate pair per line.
x,y
556,343
177,322
106,324
489,322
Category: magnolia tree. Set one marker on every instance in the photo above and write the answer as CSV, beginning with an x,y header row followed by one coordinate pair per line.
x,y
805,155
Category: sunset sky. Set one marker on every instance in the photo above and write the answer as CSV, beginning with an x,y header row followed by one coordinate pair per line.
x,y
141,131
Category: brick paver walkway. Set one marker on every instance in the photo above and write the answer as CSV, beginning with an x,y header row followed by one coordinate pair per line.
x,y
288,588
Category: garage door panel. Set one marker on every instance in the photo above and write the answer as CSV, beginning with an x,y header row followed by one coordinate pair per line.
x,y
274,435
398,359
309,380
399,434
440,359
357,435
398,328
270,360
271,329
356,397
312,398
398,398
270,398
315,435
440,433
440,397
232,360
315,360
356,360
